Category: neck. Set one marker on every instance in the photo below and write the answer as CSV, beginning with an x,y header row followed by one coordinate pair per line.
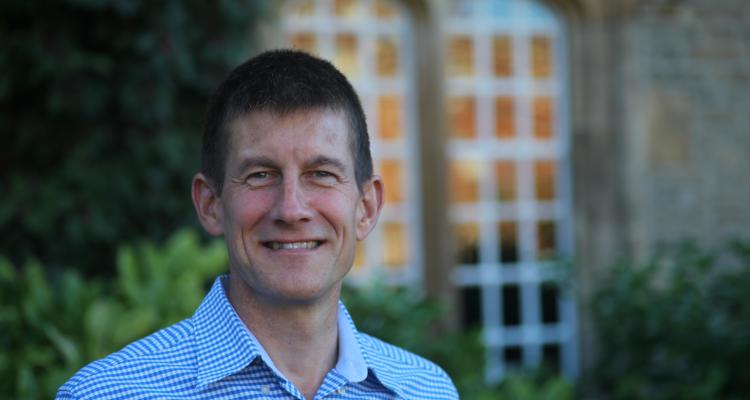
x,y
300,338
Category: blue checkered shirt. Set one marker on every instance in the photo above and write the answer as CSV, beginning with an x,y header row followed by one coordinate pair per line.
x,y
212,355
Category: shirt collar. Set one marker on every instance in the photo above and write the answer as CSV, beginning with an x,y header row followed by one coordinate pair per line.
x,y
365,358
351,363
225,345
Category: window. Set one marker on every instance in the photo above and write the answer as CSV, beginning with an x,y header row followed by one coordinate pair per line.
x,y
508,163
370,41
508,158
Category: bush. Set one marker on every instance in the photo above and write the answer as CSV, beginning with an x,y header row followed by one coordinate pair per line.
x,y
399,315
677,327
51,328
101,106
52,325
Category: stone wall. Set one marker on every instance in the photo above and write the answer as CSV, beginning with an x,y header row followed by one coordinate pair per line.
x,y
686,115
660,121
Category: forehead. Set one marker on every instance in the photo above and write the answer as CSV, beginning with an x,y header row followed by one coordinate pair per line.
x,y
309,130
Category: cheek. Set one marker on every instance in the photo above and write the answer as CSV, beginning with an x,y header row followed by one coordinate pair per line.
x,y
249,208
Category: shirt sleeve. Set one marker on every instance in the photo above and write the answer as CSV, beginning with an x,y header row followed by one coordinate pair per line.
x,y
64,394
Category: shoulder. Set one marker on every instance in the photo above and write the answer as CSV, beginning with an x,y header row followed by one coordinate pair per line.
x,y
413,376
165,353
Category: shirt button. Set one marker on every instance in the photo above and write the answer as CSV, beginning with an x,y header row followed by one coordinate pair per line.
x,y
265,389
341,391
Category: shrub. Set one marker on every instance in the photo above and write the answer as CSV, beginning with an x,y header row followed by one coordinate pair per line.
x,y
51,328
101,106
677,327
401,316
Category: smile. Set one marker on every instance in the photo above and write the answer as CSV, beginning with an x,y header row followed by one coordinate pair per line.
x,y
311,244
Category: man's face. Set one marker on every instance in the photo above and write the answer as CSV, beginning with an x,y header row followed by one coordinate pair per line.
x,y
290,209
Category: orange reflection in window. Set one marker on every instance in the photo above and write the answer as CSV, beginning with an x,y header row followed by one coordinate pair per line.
x,y
464,181
383,9
461,56
542,114
546,239
503,55
544,179
462,111
304,41
346,8
541,56
302,8
387,56
395,244
504,117
389,117
508,231
392,180
467,243
505,174
346,53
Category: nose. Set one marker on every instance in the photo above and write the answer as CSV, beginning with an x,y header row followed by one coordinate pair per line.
x,y
291,205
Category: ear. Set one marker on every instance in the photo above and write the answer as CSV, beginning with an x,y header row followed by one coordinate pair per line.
x,y
207,205
370,204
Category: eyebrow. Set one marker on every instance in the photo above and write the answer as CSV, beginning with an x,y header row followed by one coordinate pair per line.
x,y
253,162
320,161
265,162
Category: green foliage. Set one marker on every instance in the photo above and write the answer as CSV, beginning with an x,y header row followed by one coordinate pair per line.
x,y
101,106
401,316
677,327
52,325
536,385
51,328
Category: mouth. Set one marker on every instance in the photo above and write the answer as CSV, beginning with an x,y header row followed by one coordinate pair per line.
x,y
306,245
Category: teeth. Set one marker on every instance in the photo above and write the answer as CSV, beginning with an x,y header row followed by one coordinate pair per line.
x,y
293,245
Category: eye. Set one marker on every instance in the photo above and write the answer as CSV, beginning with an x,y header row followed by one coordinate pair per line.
x,y
323,177
322,174
260,178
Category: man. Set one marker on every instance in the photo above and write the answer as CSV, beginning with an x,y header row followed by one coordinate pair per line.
x,y
287,180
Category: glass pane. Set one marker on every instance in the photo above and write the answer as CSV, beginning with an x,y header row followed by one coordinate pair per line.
x,y
461,56
471,307
501,47
346,53
384,9
548,298
387,56
541,57
347,8
508,242
513,357
545,232
467,243
504,117
392,180
395,244
464,181
359,256
511,305
304,41
505,174
461,112
551,357
544,179
389,113
542,109
301,8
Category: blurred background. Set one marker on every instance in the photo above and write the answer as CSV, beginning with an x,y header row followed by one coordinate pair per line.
x,y
567,197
